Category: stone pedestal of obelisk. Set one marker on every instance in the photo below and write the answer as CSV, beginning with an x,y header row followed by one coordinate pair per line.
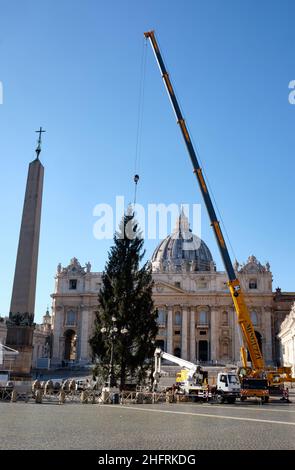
x,y
20,327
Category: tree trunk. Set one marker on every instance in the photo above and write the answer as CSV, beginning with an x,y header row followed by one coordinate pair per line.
x,y
123,375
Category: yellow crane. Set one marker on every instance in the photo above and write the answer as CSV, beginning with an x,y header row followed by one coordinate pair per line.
x,y
243,316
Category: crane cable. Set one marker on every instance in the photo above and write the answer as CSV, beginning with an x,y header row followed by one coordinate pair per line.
x,y
140,117
139,140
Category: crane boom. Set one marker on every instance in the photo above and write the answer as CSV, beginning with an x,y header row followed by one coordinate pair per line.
x,y
234,285
190,366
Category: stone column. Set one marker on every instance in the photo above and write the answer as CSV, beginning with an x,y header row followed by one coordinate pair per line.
x,y
84,321
170,331
184,334
293,356
266,342
61,352
237,334
214,336
57,333
192,336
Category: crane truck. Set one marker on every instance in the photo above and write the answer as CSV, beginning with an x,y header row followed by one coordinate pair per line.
x,y
254,380
193,381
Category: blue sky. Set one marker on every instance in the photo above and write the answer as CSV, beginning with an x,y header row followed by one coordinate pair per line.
x,y
73,67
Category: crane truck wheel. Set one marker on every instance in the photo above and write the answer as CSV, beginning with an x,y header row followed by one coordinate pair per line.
x,y
264,399
231,400
243,398
220,399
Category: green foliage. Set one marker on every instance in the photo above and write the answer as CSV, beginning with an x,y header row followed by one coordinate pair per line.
x,y
126,294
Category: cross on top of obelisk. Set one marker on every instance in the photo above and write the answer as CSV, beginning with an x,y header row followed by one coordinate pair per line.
x,y
38,149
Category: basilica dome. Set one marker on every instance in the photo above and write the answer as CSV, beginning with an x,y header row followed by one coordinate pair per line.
x,y
182,251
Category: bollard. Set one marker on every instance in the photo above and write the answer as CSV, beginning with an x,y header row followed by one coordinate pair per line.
x,y
84,397
115,398
61,397
38,396
169,397
104,396
139,397
13,396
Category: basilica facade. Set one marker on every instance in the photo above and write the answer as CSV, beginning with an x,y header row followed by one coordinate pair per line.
x,y
287,339
196,317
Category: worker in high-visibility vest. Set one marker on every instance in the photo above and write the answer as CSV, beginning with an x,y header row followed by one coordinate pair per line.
x,y
206,393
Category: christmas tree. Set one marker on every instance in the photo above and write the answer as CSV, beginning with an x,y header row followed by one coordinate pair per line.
x,y
126,321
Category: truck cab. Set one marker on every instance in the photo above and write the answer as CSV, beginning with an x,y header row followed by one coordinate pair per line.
x,y
227,387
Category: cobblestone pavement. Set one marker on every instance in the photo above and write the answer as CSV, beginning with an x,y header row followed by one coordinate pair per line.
x,y
160,426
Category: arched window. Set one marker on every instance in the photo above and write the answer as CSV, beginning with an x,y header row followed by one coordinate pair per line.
x,y
254,317
224,318
161,317
71,318
203,318
253,284
177,352
177,318
203,350
225,350
70,345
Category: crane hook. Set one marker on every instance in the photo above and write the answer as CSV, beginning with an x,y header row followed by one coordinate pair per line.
x,y
135,179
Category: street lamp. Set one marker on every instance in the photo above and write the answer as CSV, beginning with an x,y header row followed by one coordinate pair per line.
x,y
113,331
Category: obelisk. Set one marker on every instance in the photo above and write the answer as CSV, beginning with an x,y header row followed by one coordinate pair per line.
x,y
20,327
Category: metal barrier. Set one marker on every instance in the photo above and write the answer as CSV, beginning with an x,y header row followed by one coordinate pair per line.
x,y
5,393
96,397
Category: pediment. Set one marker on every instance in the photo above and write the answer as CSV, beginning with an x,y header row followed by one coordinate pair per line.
x,y
73,269
166,288
253,266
